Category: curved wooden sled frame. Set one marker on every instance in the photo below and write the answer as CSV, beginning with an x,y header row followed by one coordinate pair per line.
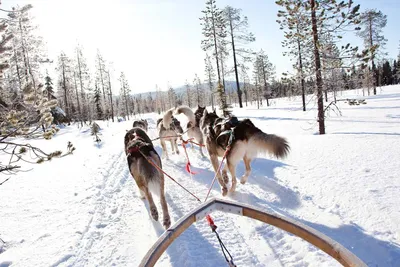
x,y
321,241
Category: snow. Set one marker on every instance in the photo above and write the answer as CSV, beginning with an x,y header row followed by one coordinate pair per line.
x,y
84,209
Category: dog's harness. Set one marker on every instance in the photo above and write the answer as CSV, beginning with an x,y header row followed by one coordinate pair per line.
x,y
233,122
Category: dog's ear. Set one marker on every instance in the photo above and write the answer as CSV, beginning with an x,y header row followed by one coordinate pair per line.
x,y
215,111
126,130
205,112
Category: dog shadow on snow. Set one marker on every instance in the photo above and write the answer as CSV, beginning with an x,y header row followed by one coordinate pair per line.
x,y
371,250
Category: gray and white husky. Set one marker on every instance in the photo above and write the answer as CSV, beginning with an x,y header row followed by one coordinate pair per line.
x,y
138,147
247,143
169,128
193,125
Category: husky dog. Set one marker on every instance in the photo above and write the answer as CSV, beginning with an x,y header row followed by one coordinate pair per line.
x,y
168,130
139,149
193,125
246,142
141,124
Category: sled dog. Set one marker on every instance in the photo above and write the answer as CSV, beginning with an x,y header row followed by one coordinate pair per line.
x,y
193,125
168,130
139,149
141,124
247,142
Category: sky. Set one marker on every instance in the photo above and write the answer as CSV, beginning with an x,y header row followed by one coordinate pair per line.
x,y
157,42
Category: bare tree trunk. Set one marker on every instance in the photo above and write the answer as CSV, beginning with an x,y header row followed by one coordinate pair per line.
x,y
239,92
319,81
77,99
265,82
215,43
303,93
371,43
64,84
111,99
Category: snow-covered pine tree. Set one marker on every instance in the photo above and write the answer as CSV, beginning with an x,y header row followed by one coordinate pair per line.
x,y
124,95
172,99
48,89
188,94
101,74
83,77
199,91
110,96
210,74
97,101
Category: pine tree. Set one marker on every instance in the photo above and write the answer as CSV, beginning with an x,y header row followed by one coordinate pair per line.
x,y
124,94
65,69
222,100
295,23
372,24
188,94
101,76
265,71
48,90
209,70
328,16
83,77
214,31
199,90
97,102
237,26
110,95
172,97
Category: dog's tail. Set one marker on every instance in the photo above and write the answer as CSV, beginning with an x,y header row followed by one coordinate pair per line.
x,y
188,112
167,119
261,143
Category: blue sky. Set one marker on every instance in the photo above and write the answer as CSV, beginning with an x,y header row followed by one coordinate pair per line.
x,y
158,41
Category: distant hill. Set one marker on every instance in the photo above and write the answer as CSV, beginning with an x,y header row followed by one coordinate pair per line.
x,y
229,87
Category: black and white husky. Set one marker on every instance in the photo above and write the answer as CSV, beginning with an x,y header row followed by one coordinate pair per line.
x,y
247,143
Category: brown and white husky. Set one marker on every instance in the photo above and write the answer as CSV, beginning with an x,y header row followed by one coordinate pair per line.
x,y
169,128
247,143
193,125
138,147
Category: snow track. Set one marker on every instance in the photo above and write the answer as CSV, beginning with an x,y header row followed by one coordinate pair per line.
x,y
85,210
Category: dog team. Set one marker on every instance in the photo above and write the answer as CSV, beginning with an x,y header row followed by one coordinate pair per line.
x,y
244,139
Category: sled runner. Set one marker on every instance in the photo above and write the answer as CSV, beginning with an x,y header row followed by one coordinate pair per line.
x,y
321,241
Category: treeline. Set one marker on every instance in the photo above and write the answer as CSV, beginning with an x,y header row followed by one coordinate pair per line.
x,y
234,74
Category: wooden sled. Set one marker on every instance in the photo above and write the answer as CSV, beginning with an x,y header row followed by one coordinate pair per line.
x,y
321,241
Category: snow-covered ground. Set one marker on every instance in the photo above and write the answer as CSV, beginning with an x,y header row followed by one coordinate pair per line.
x,y
85,210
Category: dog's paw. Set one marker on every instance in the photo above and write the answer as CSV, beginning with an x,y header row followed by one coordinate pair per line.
x,y
154,213
243,179
177,152
224,191
166,222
